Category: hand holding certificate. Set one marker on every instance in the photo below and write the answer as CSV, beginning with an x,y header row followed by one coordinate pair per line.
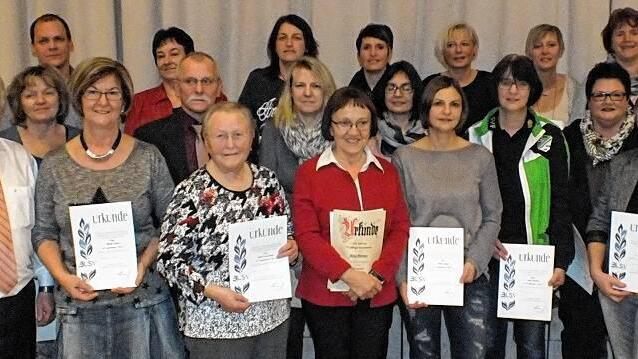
x,y
623,250
104,244
523,289
256,270
435,265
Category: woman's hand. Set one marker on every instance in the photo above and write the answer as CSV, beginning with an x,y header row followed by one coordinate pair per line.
x,y
141,272
469,272
229,300
606,284
44,309
558,278
403,290
499,250
77,288
364,285
290,250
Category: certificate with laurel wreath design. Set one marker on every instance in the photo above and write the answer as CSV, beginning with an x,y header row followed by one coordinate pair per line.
x,y
623,249
358,238
523,284
255,270
104,244
435,266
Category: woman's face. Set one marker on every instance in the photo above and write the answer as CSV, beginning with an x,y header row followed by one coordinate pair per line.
x,y
228,139
307,92
512,94
607,111
446,110
102,102
290,45
546,52
460,50
351,130
624,42
399,94
40,102
169,56
374,54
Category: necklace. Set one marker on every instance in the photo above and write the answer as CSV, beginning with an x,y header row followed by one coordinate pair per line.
x,y
104,156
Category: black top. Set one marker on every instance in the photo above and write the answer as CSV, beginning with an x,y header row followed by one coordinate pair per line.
x,y
359,81
585,180
507,153
481,97
12,134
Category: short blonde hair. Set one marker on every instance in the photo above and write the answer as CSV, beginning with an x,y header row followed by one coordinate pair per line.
x,y
538,32
285,113
446,35
94,69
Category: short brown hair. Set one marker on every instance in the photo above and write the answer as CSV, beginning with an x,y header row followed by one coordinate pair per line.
x,y
94,69
618,18
341,98
435,85
51,77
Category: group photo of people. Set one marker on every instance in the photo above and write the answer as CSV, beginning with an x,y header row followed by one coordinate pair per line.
x,y
289,217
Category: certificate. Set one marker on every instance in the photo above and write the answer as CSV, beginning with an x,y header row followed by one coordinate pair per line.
x,y
523,289
255,270
623,249
578,270
358,238
435,266
104,244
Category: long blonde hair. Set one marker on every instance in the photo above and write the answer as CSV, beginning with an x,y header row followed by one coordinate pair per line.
x,y
285,112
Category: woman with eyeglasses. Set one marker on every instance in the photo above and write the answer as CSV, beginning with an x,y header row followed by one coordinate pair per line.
x,y
347,176
603,179
103,165
531,165
561,99
399,109
456,48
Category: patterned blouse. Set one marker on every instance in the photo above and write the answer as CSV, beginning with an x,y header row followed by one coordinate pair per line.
x,y
194,251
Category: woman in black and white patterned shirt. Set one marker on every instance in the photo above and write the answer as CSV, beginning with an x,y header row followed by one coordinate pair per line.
x,y
194,254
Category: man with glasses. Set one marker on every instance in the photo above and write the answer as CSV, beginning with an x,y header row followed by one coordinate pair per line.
x,y
178,135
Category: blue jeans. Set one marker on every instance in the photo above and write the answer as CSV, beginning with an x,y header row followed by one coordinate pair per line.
x,y
529,335
466,325
622,323
145,330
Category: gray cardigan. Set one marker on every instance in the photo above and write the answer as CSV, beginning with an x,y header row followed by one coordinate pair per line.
x,y
275,155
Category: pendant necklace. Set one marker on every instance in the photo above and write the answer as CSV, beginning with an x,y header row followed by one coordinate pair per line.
x,y
104,156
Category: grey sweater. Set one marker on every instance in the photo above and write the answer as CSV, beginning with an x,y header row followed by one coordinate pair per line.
x,y
453,188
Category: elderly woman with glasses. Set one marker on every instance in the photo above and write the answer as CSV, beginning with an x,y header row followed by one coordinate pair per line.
x,y
531,164
352,324
103,165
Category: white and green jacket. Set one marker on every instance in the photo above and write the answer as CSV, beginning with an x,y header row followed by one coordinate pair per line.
x,y
543,174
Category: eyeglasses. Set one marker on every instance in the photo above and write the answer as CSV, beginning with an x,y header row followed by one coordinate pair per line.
x,y
613,96
206,81
405,88
347,125
507,83
111,95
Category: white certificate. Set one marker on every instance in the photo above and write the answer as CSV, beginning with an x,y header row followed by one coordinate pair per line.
x,y
523,289
104,244
578,270
358,238
623,249
255,270
435,265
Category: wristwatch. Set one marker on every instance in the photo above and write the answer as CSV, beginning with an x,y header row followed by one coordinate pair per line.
x,y
374,273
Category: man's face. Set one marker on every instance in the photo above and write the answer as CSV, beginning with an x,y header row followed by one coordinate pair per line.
x,y
199,85
51,45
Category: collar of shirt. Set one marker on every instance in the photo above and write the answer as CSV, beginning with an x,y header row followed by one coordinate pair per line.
x,y
328,157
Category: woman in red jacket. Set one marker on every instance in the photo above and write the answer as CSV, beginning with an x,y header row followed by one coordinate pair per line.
x,y
347,176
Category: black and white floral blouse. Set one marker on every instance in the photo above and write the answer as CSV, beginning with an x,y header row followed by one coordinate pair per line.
x,y
194,251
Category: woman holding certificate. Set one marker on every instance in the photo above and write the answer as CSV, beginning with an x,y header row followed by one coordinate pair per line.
x,y
531,165
99,169
452,183
610,138
197,255
349,204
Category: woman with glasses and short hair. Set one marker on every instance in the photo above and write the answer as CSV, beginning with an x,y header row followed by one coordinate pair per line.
x,y
399,108
531,164
456,48
347,176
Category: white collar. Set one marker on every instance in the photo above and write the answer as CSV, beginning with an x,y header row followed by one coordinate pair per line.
x,y
328,157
